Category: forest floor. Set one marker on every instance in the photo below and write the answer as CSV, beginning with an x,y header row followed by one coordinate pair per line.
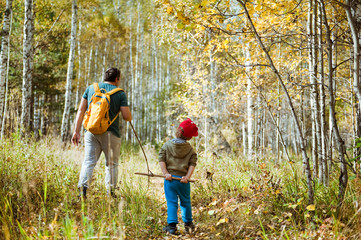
x,y
232,198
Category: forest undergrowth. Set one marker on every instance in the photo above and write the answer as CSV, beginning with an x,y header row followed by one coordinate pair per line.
x,y
233,198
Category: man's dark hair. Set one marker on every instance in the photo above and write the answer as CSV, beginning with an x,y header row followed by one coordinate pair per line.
x,y
111,74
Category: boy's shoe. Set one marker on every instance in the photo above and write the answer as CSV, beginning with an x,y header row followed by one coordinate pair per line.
x,y
170,229
189,227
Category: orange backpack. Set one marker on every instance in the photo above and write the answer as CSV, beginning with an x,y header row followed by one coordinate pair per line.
x,y
97,119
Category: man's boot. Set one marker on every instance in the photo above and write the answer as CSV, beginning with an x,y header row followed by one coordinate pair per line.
x,y
82,193
111,193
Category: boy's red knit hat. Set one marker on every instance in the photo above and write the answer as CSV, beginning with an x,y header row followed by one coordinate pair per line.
x,y
190,128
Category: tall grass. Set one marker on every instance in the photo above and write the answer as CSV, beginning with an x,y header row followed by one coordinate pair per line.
x,y
39,196
232,198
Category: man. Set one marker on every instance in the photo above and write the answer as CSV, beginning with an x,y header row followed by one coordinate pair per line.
x,y
108,142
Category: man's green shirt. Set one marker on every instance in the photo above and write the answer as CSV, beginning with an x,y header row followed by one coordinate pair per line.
x,y
117,100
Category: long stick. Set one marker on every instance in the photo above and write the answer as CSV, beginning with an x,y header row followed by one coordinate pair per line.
x,y
146,160
160,176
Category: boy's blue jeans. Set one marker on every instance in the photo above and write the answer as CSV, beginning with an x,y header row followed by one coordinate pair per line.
x,y
174,189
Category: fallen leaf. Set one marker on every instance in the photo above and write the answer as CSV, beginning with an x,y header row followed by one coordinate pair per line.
x,y
211,212
311,207
223,220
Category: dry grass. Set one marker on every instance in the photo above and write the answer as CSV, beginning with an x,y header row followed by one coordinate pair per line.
x,y
232,199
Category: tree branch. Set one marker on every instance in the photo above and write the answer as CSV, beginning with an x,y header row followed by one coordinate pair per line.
x,y
47,33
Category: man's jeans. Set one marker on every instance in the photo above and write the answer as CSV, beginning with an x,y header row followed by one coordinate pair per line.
x,y
94,146
174,189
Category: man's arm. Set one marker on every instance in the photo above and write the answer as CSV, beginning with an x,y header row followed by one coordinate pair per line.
x,y
126,114
78,121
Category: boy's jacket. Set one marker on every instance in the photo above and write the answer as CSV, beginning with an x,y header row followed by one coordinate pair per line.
x,y
178,157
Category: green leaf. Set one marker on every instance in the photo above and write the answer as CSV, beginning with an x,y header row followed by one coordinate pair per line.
x,y
180,25
352,177
188,28
355,158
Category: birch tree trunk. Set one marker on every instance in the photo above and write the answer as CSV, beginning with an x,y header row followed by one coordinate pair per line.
x,y
105,57
159,88
244,138
296,122
43,119
356,52
96,65
356,66
323,173
6,82
340,143
4,54
250,112
131,80
312,31
89,65
28,64
142,112
69,77
36,122
316,96
79,71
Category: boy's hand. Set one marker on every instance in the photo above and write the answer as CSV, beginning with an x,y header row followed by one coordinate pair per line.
x,y
184,179
168,177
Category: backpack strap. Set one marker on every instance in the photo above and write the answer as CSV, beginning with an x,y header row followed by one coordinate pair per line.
x,y
114,91
96,87
111,122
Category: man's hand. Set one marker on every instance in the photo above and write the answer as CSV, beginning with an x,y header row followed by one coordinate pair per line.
x,y
168,177
75,139
184,179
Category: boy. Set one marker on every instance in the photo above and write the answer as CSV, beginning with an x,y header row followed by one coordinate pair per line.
x,y
178,159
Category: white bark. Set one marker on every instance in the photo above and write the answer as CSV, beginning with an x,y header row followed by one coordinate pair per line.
x,y
205,137
6,83
159,89
131,92
167,82
323,173
96,65
105,56
28,63
356,52
36,122
76,104
43,117
312,74
69,78
250,110
136,74
4,55
89,65
339,141
244,138
141,84
278,135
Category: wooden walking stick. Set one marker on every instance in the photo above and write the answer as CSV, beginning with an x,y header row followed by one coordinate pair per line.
x,y
161,176
146,160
